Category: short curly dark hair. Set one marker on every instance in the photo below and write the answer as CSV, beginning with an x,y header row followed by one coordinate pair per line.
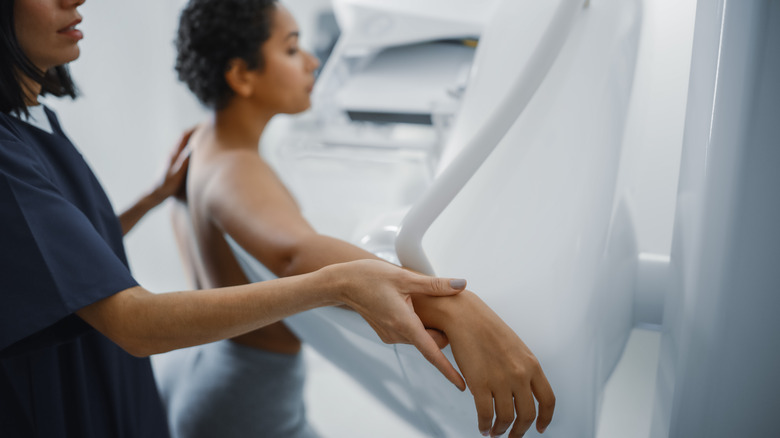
x,y
214,32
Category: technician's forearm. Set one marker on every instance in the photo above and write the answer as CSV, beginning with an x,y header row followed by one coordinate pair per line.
x,y
130,217
144,323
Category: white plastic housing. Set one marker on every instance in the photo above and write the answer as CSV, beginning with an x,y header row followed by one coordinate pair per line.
x,y
544,235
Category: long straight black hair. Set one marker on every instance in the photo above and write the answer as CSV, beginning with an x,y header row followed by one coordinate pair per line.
x,y
14,65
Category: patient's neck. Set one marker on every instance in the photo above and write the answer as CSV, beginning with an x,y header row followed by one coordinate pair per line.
x,y
240,124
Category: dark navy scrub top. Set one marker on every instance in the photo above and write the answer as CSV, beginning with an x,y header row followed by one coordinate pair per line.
x,y
60,250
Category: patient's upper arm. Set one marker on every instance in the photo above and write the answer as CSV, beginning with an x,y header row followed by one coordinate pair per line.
x,y
245,198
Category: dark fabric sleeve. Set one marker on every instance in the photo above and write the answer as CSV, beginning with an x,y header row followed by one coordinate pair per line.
x,y
52,259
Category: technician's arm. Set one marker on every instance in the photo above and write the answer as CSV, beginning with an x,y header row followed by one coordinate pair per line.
x,y
171,184
144,323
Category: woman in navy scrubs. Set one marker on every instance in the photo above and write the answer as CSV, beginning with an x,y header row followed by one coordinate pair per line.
x,y
75,327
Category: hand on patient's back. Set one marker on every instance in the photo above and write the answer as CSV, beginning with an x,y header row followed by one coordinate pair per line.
x,y
173,180
382,294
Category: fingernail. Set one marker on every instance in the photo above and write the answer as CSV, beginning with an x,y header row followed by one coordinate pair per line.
x,y
485,433
457,283
543,429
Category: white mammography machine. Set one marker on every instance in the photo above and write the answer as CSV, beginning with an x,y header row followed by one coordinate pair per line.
x,y
499,162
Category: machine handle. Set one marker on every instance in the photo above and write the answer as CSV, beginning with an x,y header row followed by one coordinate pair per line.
x,y
408,243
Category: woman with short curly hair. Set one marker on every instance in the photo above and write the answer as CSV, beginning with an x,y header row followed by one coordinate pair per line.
x,y
242,59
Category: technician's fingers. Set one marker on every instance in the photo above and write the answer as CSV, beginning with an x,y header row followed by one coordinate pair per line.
x,y
438,337
183,142
483,400
438,287
173,183
427,346
526,413
546,398
505,412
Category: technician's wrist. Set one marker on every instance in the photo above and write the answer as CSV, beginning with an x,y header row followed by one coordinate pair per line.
x,y
156,196
336,287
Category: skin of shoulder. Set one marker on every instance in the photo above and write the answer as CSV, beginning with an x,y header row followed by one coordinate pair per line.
x,y
233,190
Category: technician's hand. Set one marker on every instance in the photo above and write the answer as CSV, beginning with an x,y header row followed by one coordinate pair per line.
x,y
503,375
382,294
172,182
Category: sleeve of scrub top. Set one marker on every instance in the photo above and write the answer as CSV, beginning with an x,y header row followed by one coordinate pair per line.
x,y
52,260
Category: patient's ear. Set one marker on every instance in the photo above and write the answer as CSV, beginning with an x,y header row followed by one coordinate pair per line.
x,y
238,77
